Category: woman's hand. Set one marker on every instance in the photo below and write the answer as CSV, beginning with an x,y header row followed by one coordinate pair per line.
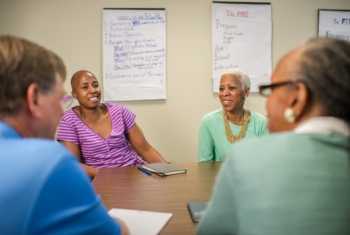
x,y
91,171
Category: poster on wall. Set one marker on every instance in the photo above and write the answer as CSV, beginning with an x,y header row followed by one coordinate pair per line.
x,y
334,23
134,54
242,39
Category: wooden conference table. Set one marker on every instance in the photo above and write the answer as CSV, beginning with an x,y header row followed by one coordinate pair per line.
x,y
129,188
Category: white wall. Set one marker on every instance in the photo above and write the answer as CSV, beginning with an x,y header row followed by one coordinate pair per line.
x,y
72,28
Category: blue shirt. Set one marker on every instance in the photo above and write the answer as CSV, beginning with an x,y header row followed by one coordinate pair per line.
x,y
44,191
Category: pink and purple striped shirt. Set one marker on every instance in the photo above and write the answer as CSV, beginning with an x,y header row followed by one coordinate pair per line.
x,y
114,151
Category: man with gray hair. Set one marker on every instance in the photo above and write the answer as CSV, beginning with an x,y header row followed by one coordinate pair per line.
x,y
43,190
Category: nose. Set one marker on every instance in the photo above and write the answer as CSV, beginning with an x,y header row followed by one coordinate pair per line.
x,y
92,89
225,92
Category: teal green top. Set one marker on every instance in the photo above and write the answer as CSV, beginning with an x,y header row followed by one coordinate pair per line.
x,y
213,144
283,184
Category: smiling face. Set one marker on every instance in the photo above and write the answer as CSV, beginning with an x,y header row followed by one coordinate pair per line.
x,y
86,89
231,93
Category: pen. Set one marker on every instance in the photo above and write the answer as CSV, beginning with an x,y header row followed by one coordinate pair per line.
x,y
144,171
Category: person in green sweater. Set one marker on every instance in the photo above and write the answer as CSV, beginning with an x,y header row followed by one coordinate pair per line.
x,y
296,180
223,127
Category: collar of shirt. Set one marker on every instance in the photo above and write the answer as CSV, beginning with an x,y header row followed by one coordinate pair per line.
x,y
324,125
7,132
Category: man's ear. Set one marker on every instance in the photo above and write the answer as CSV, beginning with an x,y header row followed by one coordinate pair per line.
x,y
32,100
300,100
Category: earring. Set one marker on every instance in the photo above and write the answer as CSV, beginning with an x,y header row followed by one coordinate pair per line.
x,y
289,115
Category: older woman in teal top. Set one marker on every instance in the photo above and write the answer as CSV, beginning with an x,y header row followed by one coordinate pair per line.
x,y
296,181
221,128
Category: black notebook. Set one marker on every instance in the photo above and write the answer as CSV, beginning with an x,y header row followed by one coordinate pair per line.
x,y
196,210
163,169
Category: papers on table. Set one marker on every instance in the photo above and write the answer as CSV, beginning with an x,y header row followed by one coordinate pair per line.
x,y
141,222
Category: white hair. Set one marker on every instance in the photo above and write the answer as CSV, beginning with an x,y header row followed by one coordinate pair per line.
x,y
245,81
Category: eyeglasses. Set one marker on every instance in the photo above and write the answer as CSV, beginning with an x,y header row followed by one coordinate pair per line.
x,y
266,90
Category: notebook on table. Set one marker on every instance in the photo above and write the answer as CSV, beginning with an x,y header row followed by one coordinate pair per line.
x,y
162,169
196,210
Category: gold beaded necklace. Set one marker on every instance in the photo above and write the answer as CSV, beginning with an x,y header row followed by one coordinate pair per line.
x,y
244,126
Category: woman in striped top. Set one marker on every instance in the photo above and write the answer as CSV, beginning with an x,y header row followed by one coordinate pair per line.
x,y
102,135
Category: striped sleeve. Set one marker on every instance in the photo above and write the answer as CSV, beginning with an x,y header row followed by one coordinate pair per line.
x,y
66,131
128,117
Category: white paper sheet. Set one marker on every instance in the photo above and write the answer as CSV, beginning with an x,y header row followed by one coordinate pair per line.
x,y
334,24
242,39
134,53
141,222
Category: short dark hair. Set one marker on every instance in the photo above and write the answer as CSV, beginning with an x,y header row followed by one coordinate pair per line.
x,y
22,63
325,67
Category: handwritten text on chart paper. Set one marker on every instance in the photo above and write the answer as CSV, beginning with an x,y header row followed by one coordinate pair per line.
x,y
132,50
